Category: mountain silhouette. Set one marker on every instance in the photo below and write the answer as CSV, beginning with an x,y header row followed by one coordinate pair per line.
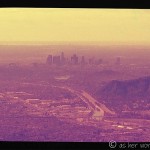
x,y
127,89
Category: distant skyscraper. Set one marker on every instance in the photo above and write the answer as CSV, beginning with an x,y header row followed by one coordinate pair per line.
x,y
82,60
91,61
56,60
118,61
62,58
74,59
99,61
49,60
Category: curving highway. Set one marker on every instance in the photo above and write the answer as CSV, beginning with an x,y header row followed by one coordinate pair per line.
x,y
97,109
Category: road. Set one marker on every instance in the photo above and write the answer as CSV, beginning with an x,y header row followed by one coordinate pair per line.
x,y
97,109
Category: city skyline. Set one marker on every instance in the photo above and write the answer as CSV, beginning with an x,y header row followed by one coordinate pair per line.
x,y
74,59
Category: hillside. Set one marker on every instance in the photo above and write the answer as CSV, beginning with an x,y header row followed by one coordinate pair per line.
x,y
127,94
127,89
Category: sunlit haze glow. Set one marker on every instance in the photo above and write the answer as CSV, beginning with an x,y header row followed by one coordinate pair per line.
x,y
49,25
75,75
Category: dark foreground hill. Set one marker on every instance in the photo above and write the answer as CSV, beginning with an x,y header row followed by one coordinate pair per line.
x,y
128,89
133,93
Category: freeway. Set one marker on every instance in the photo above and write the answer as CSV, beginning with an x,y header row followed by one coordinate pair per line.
x,y
97,109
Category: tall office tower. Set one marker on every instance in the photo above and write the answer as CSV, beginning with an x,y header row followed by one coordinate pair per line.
x,y
118,61
62,58
74,59
49,60
82,60
56,60
91,61
99,61
67,61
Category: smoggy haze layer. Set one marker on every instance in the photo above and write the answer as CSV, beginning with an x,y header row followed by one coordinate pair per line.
x,y
103,26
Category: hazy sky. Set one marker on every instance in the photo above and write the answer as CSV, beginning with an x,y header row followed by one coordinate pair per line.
x,y
105,26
